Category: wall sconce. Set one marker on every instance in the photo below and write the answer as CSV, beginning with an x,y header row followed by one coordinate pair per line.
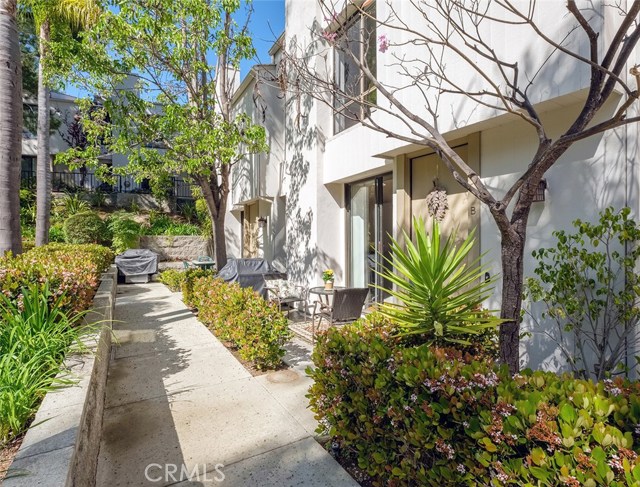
x,y
540,191
262,221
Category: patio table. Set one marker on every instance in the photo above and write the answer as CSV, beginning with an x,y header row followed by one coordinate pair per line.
x,y
323,294
203,264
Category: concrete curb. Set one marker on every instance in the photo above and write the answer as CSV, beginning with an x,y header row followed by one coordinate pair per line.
x,y
61,447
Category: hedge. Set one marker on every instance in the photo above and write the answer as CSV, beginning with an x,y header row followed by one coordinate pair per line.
x,y
240,316
419,415
86,228
70,269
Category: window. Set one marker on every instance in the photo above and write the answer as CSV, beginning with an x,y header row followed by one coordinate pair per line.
x,y
354,92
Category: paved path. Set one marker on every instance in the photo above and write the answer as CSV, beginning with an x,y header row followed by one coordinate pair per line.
x,y
179,406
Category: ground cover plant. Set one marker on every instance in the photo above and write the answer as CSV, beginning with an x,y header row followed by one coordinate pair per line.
x,y
36,333
240,316
427,415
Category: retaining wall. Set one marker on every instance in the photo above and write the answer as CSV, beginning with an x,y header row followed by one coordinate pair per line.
x,y
177,248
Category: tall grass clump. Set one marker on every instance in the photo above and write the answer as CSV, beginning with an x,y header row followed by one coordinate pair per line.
x,y
35,335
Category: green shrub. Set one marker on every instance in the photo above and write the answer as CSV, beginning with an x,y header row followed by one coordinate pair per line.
x,y
591,290
72,204
188,280
434,416
70,270
56,233
35,335
173,279
85,228
440,294
182,229
240,316
162,224
125,232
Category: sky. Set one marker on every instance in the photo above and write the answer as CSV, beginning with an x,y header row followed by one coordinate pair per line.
x,y
267,23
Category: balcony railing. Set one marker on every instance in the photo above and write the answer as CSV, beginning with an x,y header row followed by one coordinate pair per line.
x,y
78,181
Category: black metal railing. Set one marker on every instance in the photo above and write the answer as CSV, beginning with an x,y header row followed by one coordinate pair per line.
x,y
74,181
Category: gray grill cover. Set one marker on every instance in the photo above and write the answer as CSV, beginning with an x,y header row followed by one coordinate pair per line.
x,y
134,262
250,273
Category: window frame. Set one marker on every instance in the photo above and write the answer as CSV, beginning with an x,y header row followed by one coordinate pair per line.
x,y
364,92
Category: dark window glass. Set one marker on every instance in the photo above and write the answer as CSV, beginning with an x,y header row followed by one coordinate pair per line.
x,y
357,41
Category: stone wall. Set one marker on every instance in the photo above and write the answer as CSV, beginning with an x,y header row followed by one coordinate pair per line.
x,y
61,447
177,248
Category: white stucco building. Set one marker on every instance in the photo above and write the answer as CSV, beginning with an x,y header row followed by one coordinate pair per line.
x,y
330,191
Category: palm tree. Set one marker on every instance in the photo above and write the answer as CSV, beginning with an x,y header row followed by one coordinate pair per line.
x,y
50,15
10,128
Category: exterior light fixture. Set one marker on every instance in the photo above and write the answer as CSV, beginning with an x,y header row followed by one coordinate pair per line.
x,y
262,221
540,191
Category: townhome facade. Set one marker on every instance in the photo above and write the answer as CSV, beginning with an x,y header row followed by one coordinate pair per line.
x,y
332,191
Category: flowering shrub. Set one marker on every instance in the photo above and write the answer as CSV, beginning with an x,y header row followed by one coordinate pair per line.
x,y
70,270
187,281
438,416
240,316
172,278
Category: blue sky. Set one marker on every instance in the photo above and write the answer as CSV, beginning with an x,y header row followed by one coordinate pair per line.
x,y
267,23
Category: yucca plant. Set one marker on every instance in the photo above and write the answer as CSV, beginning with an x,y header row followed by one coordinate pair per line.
x,y
439,295
35,336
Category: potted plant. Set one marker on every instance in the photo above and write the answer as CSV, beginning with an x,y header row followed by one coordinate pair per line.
x,y
328,278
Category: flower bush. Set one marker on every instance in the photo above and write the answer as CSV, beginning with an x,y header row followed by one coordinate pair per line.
x,y
188,280
172,278
438,416
70,270
240,316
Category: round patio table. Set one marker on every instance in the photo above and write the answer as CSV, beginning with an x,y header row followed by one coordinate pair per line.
x,y
203,264
323,294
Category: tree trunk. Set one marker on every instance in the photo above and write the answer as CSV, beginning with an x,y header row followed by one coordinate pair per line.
x,y
219,241
512,250
10,129
216,199
43,172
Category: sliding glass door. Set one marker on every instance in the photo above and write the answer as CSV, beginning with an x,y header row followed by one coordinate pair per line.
x,y
370,206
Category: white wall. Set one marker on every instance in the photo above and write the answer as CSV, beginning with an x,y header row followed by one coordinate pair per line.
x,y
592,175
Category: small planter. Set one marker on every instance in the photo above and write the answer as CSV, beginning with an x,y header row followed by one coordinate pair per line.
x,y
328,285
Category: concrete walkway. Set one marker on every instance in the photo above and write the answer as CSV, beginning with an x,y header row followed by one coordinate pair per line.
x,y
181,410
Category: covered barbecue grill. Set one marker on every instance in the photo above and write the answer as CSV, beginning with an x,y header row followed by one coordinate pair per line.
x,y
136,265
250,273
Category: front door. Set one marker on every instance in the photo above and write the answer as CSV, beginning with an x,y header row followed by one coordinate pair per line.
x,y
370,206
250,231
464,209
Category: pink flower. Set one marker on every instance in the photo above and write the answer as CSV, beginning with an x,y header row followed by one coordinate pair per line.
x,y
383,43
330,37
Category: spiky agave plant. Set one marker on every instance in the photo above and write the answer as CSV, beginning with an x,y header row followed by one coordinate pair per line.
x,y
439,294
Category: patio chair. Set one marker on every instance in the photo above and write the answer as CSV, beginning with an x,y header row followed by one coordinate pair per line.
x,y
346,307
286,293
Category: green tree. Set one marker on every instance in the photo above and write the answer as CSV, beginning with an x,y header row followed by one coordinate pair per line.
x,y
64,18
175,116
10,128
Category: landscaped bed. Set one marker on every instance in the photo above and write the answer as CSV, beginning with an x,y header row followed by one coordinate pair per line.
x,y
253,329
44,294
428,415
